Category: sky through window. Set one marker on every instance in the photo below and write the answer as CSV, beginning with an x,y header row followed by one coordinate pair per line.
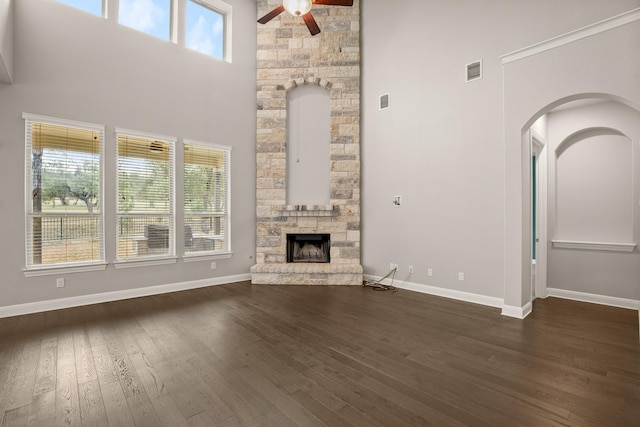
x,y
149,16
205,21
205,30
91,6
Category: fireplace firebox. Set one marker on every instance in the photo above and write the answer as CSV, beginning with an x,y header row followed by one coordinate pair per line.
x,y
309,248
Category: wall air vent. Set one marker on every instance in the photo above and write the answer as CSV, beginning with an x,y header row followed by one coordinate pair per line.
x,y
384,101
474,71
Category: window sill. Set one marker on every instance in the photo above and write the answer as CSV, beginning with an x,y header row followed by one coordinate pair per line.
x,y
594,246
57,270
133,263
208,256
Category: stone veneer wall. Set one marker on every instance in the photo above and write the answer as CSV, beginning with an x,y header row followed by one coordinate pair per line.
x,y
287,57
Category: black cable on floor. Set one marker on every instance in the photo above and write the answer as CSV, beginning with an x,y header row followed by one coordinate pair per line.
x,y
379,286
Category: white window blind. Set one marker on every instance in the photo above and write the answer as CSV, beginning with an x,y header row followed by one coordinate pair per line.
x,y
64,161
206,198
145,195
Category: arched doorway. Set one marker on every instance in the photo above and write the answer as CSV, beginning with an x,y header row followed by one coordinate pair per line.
x,y
537,79
591,214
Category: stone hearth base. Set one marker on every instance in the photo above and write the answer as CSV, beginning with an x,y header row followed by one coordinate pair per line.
x,y
306,274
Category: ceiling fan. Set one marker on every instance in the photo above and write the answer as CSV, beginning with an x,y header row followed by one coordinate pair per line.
x,y
303,8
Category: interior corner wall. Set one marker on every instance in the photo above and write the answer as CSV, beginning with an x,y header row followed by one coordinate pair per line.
x,y
612,274
76,66
6,41
605,64
440,144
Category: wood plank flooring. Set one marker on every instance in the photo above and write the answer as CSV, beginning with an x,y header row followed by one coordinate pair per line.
x,y
245,355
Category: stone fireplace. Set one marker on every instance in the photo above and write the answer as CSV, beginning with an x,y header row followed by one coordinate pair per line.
x,y
288,57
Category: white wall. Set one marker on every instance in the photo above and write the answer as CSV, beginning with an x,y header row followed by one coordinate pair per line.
x,y
6,41
72,65
441,144
594,197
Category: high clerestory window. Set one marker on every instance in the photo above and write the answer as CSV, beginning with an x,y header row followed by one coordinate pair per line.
x,y
149,16
200,25
205,29
64,221
94,7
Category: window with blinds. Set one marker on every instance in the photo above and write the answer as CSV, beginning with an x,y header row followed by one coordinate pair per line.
x,y
206,198
64,162
145,217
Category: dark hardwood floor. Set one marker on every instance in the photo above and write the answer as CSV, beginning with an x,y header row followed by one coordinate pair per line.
x,y
243,355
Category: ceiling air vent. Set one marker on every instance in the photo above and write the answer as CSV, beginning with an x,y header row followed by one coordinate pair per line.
x,y
384,101
474,71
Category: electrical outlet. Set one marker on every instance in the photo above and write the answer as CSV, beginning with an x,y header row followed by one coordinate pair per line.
x,y
430,272
397,200
461,277
393,266
60,282
411,269
214,266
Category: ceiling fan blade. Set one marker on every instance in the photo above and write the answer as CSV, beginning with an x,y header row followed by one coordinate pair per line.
x,y
312,25
334,2
269,16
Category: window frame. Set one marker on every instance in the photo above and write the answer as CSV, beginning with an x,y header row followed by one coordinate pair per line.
x,y
153,259
31,269
227,250
178,22
217,6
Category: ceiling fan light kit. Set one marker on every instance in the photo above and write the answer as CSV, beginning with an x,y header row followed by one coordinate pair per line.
x,y
297,7
303,8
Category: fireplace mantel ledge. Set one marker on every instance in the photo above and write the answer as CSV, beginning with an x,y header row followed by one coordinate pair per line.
x,y
308,210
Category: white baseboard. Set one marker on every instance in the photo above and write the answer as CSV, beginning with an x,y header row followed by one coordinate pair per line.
x,y
442,292
594,298
56,304
517,312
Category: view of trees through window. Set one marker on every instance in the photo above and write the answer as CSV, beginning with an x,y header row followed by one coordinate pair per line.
x,y
145,196
205,198
65,188
65,222
66,183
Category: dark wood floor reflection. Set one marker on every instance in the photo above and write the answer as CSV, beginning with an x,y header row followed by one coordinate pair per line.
x,y
243,355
